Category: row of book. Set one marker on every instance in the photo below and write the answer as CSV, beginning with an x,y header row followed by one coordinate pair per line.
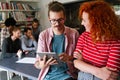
x,y
21,6
18,16
21,16
3,16
4,6
15,6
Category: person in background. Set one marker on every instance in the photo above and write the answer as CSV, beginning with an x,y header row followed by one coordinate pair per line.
x,y
98,49
6,31
29,44
61,40
36,29
12,44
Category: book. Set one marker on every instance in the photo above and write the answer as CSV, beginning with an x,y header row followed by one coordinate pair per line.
x,y
20,7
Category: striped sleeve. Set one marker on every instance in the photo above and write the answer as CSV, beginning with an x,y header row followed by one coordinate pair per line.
x,y
114,56
80,43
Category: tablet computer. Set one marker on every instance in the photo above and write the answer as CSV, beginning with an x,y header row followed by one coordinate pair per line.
x,y
49,55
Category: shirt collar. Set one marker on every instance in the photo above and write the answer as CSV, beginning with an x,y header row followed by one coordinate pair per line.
x,y
52,34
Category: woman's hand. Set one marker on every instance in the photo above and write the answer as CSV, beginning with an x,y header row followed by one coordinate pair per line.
x,y
107,74
114,74
77,56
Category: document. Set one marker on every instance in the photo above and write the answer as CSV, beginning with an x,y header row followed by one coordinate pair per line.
x,y
27,60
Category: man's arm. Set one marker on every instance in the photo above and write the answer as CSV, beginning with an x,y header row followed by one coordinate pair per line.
x,y
34,44
24,46
41,43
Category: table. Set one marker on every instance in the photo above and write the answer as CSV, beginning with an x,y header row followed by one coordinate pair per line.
x,y
27,70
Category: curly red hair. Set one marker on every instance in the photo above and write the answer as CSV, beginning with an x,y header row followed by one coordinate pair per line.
x,y
105,24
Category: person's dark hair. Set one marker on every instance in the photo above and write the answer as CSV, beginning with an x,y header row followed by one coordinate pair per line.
x,y
26,29
10,22
103,19
55,6
36,21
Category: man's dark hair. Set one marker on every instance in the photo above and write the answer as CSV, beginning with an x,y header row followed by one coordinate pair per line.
x,y
26,29
10,22
55,6
36,20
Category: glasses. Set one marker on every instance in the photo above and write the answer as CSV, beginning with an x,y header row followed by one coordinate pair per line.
x,y
54,21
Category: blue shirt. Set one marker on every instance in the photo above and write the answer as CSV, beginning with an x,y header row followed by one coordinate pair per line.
x,y
58,72
28,44
58,44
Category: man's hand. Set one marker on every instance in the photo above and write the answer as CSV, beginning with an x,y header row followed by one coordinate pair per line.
x,y
19,54
65,57
32,37
43,62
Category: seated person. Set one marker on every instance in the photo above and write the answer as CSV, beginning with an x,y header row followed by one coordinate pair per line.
x,y
12,44
36,29
6,31
28,41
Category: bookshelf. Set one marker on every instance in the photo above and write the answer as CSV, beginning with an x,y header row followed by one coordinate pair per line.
x,y
23,11
117,9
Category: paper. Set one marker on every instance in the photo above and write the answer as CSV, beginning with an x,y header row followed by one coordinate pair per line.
x,y
27,60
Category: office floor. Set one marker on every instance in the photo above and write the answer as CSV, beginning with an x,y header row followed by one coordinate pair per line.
x,y
3,76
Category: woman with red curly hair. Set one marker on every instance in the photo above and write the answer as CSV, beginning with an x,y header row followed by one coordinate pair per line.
x,y
98,49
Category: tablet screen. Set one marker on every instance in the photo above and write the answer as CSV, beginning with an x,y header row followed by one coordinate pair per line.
x,y
49,55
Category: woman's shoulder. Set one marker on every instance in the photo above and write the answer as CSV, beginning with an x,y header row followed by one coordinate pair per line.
x,y
85,34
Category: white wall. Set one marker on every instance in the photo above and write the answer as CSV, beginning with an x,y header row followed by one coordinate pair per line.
x,y
43,4
43,13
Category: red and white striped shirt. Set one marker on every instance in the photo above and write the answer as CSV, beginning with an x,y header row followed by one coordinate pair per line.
x,y
99,54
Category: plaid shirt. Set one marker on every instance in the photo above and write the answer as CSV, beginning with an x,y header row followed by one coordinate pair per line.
x,y
4,34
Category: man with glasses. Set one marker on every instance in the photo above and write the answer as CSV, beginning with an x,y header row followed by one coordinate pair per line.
x,y
59,39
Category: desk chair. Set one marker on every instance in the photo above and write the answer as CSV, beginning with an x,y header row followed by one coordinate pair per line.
x,y
8,77
10,74
1,69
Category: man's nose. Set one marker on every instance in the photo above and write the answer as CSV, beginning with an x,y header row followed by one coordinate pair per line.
x,y
57,22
